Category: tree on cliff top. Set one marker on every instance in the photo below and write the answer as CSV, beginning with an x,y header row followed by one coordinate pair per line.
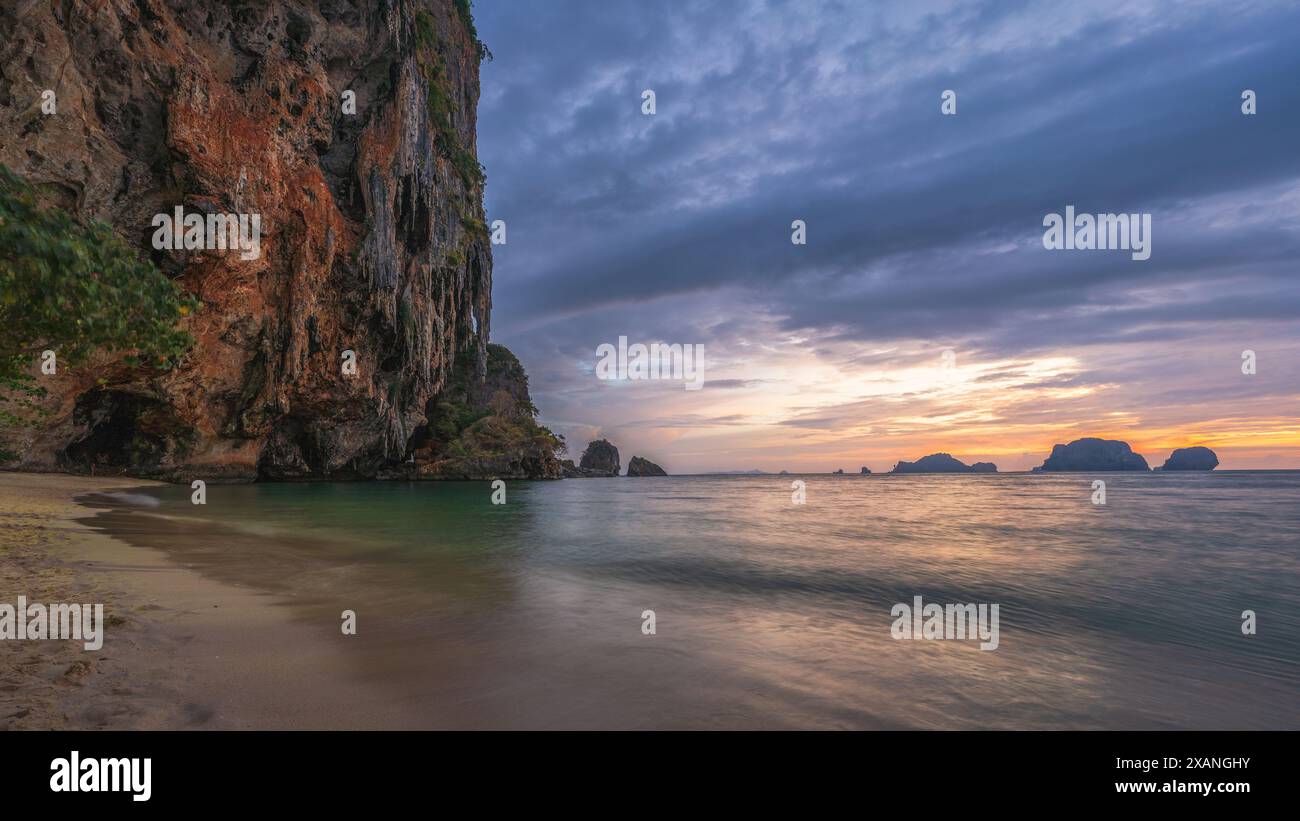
x,y
74,288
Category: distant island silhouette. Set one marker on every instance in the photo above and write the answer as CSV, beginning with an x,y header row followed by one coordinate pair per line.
x,y
1194,458
1089,454
943,463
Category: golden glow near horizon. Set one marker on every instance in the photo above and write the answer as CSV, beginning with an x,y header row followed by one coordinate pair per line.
x,y
808,406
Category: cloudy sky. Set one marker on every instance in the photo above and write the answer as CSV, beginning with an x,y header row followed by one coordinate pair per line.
x,y
924,231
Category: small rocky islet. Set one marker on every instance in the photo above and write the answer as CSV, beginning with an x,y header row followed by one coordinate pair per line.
x,y
644,467
1088,454
943,463
1194,458
601,459
1091,454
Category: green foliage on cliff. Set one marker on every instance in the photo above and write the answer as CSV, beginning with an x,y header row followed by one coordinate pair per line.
x,y
466,15
440,108
425,32
440,104
477,422
494,437
74,288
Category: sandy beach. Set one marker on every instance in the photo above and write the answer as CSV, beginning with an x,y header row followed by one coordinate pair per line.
x,y
181,650
530,616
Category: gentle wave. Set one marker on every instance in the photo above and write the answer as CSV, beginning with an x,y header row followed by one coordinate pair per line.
x,y
777,614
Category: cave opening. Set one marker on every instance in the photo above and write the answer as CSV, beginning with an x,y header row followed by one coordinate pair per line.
x,y
124,431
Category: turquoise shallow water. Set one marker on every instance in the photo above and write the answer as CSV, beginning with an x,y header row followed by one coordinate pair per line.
x,y
772,614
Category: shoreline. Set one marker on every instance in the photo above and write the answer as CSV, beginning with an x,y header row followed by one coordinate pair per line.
x,y
181,649
49,555
218,620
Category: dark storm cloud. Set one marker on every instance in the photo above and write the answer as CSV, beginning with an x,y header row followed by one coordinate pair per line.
x,y
608,207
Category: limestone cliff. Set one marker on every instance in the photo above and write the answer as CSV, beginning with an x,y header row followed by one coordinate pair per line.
x,y
373,232
484,428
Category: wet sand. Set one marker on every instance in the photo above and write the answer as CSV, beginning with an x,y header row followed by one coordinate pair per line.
x,y
181,650
528,616
211,626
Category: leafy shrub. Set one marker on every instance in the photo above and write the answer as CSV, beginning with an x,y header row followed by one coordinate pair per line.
x,y
75,288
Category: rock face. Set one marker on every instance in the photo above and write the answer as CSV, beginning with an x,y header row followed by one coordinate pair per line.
x,y
865,470
1197,458
1092,455
644,467
599,459
943,463
373,236
484,428
839,472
